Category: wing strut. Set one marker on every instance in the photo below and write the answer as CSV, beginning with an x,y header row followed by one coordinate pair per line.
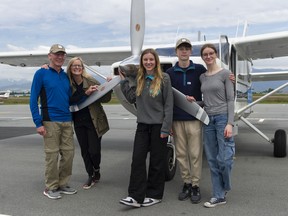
x,y
255,128
240,111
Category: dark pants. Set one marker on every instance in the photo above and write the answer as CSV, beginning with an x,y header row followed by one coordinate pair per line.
x,y
90,145
147,139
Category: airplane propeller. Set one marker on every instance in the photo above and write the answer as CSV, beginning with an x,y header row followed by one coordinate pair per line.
x,y
137,26
137,29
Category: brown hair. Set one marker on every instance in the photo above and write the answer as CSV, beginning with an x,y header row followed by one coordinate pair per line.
x,y
208,45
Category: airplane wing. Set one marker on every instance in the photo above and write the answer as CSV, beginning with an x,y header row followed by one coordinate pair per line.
x,y
91,56
262,46
270,76
265,46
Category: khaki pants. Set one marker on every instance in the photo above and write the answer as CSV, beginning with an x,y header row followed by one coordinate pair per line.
x,y
59,153
189,149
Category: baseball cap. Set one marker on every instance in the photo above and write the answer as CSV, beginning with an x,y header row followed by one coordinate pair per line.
x,y
183,41
57,48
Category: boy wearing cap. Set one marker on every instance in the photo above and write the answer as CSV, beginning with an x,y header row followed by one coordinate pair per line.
x,y
187,130
54,122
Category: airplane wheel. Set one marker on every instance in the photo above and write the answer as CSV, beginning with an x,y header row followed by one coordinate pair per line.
x,y
280,145
170,167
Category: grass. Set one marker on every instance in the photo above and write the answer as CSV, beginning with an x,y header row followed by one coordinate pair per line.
x,y
16,100
274,99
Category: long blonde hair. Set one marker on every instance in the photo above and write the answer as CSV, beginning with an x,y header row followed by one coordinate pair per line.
x,y
158,75
69,73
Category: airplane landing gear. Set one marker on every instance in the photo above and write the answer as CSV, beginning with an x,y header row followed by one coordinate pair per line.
x,y
280,143
171,164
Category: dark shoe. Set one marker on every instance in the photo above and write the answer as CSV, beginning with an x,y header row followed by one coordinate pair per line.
x,y
129,201
89,183
195,195
96,176
186,192
214,202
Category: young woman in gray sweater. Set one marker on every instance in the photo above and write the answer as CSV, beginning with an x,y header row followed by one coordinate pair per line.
x,y
154,99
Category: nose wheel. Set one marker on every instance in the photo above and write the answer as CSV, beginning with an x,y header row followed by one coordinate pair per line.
x,y
171,164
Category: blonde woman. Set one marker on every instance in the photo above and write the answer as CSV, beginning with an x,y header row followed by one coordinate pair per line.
x,y
154,99
90,123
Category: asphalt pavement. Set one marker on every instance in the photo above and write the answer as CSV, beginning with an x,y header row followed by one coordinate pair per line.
x,y
258,179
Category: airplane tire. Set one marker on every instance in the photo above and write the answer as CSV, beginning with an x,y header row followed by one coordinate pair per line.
x,y
170,168
280,143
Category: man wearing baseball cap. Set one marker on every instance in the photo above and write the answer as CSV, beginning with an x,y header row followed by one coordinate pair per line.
x,y
54,122
187,130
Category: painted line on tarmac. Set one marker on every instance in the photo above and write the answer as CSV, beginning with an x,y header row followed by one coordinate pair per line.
x,y
268,119
14,118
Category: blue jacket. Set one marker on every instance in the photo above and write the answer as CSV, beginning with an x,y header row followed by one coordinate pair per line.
x,y
186,80
54,91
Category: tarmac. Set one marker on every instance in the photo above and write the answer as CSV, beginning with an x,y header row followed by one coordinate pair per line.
x,y
258,179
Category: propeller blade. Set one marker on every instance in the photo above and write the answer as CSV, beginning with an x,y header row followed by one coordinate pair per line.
x,y
137,26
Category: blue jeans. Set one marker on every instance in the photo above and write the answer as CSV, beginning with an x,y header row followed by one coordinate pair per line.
x,y
219,153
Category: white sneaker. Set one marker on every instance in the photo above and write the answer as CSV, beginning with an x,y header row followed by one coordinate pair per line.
x,y
214,202
129,201
150,202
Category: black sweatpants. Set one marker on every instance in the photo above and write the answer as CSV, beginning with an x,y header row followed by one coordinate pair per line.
x,y
90,145
147,139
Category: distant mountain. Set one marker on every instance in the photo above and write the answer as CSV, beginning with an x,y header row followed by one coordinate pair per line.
x,y
15,85
258,70
263,86
25,84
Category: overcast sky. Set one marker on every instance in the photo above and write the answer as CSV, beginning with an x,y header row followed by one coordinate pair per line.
x,y
36,24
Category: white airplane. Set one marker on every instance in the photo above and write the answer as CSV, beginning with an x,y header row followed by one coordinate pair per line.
x,y
5,95
235,54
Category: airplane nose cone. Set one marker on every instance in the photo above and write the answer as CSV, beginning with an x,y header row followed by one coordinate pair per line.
x,y
129,70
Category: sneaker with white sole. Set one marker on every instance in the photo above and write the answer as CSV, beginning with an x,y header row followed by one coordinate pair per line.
x,y
129,201
67,190
214,202
89,183
52,194
150,201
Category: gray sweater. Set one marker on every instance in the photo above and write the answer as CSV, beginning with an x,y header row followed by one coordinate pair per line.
x,y
152,110
218,94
